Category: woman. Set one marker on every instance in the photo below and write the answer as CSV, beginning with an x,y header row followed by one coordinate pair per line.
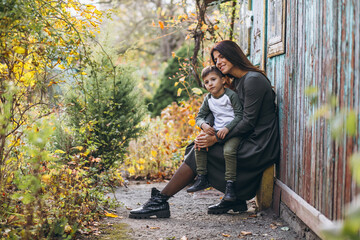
x,y
259,146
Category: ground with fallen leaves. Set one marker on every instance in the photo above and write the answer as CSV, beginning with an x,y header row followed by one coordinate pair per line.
x,y
189,219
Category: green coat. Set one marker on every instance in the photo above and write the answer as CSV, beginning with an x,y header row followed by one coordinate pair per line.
x,y
259,132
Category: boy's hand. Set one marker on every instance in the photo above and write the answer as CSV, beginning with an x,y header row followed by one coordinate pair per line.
x,y
208,129
222,133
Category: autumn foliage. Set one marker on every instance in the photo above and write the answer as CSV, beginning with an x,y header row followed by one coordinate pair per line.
x,y
159,152
45,193
58,152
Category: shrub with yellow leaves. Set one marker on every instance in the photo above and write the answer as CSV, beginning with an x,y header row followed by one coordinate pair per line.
x,y
43,194
159,152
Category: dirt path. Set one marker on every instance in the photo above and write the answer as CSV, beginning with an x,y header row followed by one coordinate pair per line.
x,y
189,219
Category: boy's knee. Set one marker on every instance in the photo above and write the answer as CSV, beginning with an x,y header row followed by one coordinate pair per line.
x,y
229,152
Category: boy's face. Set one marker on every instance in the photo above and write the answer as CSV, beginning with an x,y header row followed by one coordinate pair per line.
x,y
214,84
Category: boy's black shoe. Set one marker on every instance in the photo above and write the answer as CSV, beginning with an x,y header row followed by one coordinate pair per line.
x,y
200,184
225,206
157,206
229,195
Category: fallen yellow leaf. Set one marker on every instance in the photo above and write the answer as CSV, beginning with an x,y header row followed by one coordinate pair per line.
x,y
272,226
111,215
226,235
245,233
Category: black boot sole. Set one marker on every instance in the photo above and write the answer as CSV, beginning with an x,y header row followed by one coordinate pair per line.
x,y
158,214
225,210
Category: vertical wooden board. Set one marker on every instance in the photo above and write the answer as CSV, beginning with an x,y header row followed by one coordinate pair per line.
x,y
345,51
283,95
257,34
329,74
348,174
307,61
339,93
317,59
357,72
323,207
357,82
288,130
296,99
335,180
351,24
301,138
292,181
311,162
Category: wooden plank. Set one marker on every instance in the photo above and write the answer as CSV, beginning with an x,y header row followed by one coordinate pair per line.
x,y
328,72
307,213
276,199
297,153
357,82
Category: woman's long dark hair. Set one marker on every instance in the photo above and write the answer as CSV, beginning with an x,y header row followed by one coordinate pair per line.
x,y
233,53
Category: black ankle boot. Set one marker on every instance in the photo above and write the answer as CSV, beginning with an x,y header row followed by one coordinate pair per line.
x,y
157,206
200,184
229,195
224,207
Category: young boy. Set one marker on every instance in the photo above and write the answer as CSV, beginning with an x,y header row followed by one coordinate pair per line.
x,y
225,105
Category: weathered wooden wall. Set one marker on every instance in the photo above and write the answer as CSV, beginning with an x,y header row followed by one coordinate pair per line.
x,y
323,50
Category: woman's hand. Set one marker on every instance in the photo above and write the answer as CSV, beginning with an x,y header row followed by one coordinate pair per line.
x,y
204,140
208,129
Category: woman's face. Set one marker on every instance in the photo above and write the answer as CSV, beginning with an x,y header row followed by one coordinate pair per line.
x,y
222,63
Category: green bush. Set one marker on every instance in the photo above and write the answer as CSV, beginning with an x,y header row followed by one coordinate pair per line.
x,y
167,92
106,111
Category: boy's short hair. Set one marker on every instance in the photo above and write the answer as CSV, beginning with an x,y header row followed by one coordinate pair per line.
x,y
209,69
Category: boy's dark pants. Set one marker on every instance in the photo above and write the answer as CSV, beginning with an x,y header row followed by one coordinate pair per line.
x,y
230,149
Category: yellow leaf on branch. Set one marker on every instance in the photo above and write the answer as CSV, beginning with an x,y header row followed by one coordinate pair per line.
x,y
192,122
90,7
204,27
161,24
98,12
179,92
46,178
197,91
19,50
153,153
